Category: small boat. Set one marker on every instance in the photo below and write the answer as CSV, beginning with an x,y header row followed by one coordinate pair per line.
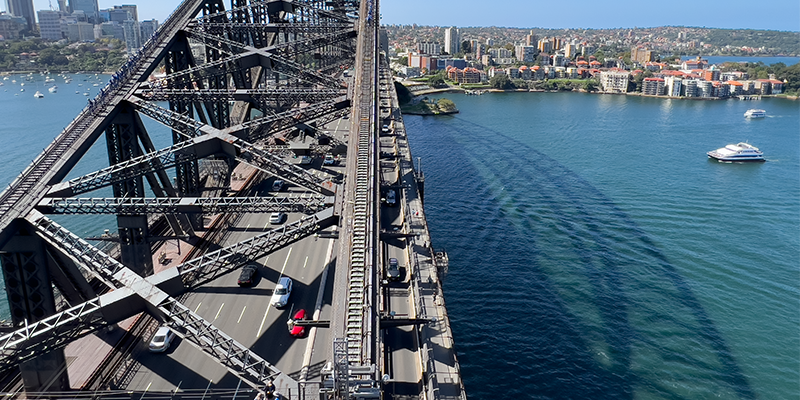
x,y
38,95
53,89
741,152
49,80
755,113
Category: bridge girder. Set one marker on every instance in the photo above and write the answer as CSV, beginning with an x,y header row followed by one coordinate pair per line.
x,y
167,205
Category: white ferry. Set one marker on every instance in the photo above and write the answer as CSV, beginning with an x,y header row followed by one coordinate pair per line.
x,y
754,113
740,152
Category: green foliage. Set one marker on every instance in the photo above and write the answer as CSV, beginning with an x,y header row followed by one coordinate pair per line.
x,y
437,82
402,60
501,81
104,55
466,47
446,105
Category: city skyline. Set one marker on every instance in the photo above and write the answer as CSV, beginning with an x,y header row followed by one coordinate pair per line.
x,y
733,14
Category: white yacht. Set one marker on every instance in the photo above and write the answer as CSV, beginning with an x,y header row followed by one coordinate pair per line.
x,y
737,153
53,89
755,113
38,95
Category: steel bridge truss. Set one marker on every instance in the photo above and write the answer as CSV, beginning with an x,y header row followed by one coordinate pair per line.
x,y
264,68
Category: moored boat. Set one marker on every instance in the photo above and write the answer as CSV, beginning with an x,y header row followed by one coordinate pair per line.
x,y
740,152
755,113
38,95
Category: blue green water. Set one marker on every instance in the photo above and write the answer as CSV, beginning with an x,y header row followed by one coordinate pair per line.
x,y
596,252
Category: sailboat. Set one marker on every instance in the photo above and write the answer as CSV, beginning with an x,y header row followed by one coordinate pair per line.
x,y
53,89
38,95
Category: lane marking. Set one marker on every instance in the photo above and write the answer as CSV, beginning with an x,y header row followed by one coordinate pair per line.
x,y
220,310
305,263
198,307
240,315
286,262
263,320
247,227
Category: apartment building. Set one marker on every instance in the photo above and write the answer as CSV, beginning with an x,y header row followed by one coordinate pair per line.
x,y
525,53
615,81
653,86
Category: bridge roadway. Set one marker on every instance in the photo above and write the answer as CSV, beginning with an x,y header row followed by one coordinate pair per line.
x,y
244,312
383,333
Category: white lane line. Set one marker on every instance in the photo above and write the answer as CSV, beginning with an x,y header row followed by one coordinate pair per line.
x,y
263,320
198,307
246,228
240,315
220,310
312,333
266,225
305,263
286,262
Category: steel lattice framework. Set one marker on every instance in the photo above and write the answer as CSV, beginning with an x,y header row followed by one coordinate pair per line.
x,y
262,68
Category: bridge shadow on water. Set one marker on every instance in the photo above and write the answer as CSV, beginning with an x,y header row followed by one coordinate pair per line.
x,y
555,292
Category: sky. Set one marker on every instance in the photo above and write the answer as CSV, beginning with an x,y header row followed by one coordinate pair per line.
x,y
783,15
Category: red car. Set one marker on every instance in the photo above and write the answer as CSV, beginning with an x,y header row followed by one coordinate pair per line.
x,y
297,330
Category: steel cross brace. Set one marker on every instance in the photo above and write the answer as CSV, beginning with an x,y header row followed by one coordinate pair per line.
x,y
132,289
171,205
256,96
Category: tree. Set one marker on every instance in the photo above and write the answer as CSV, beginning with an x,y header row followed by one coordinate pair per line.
x,y
437,81
402,60
589,85
501,81
466,47
446,105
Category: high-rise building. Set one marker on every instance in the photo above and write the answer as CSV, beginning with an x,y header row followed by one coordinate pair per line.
x,y
133,39
642,55
545,45
451,40
24,9
89,7
148,28
50,24
531,39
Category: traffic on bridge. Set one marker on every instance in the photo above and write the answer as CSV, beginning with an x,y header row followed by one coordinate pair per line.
x,y
276,248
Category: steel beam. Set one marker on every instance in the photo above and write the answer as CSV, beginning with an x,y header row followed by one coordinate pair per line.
x,y
306,204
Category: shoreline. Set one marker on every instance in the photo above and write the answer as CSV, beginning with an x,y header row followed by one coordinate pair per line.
x,y
492,90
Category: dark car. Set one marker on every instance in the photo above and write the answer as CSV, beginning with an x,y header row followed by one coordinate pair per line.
x,y
393,270
248,275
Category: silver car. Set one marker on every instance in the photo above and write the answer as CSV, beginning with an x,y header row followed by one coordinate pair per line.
x,y
161,340
283,290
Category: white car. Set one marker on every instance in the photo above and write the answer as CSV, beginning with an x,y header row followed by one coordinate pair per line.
x,y
329,160
277,218
161,340
280,297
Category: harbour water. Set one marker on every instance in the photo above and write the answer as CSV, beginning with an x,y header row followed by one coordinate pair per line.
x,y
596,252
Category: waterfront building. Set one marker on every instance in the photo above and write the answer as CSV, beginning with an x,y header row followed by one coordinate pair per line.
x,y
763,86
689,87
466,75
525,73
410,72
705,89
711,74
721,89
451,40
735,88
50,25
673,86
697,63
572,72
423,61
512,72
615,81
24,9
733,76
653,86
777,86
